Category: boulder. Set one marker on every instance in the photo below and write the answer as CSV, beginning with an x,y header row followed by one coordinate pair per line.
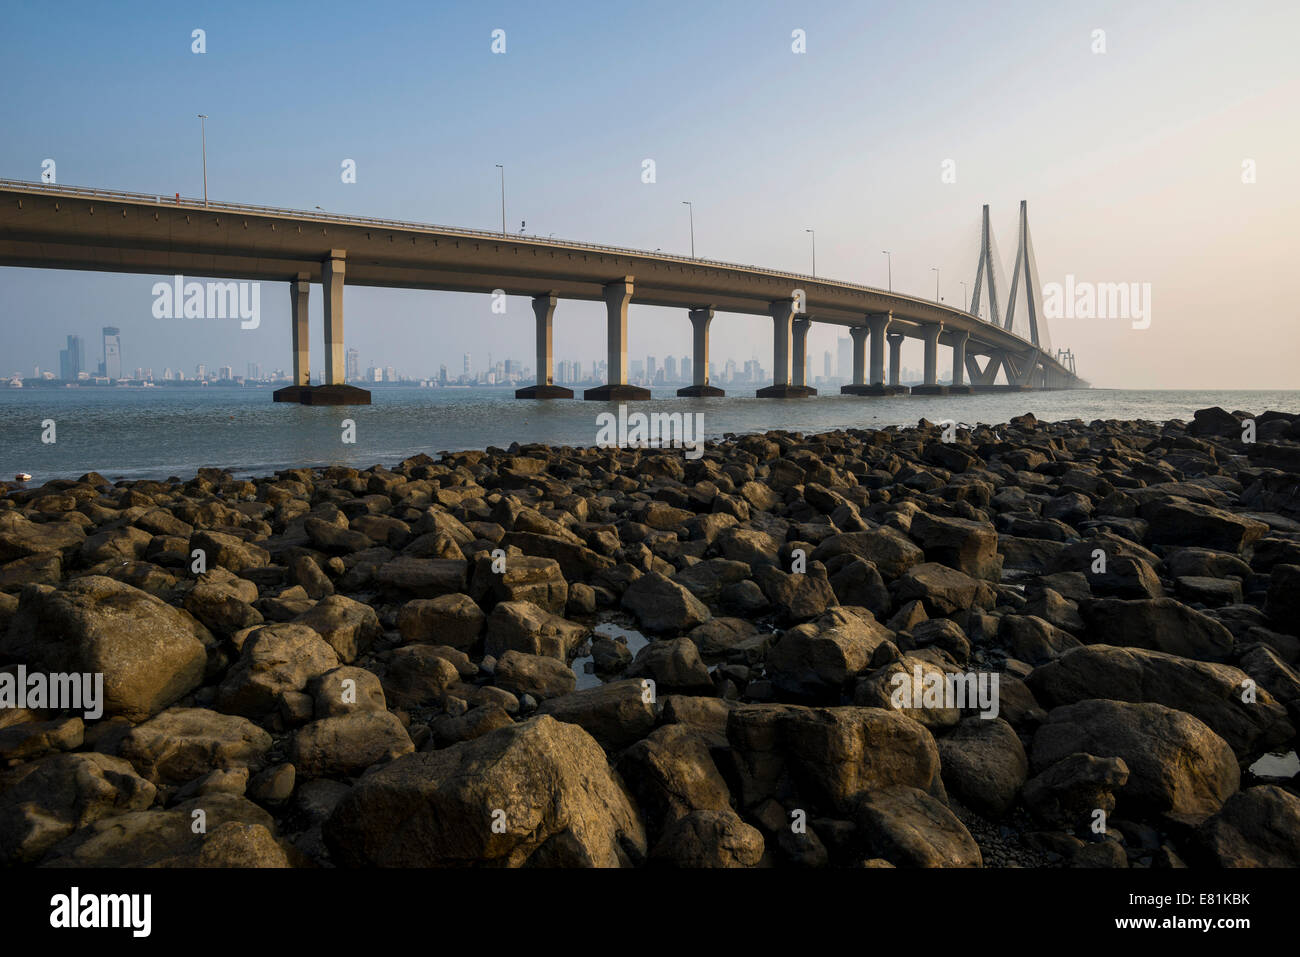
x,y
615,714
454,620
984,764
1257,827
274,660
150,653
348,626
1067,793
57,795
662,605
1211,692
713,838
817,659
523,626
910,828
1177,765
182,744
537,793
348,744
1160,624
538,675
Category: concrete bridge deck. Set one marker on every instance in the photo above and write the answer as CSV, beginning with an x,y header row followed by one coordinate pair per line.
x,y
50,226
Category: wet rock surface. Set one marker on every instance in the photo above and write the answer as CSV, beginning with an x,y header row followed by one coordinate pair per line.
x,y
1025,645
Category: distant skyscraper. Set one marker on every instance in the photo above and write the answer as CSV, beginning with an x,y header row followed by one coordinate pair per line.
x,y
670,369
650,366
254,370
200,371
390,374
844,368
827,364
352,366
225,372
467,363
72,360
442,374
112,352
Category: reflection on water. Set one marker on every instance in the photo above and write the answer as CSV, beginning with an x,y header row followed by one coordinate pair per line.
x,y
584,668
1277,765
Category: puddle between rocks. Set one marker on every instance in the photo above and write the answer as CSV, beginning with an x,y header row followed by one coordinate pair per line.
x,y
1277,765
584,667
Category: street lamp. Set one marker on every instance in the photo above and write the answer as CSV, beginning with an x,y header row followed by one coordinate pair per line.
x,y
965,305
814,250
935,269
503,198
691,207
889,260
204,128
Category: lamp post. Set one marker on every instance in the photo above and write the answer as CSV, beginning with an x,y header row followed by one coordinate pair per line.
x,y
813,232
889,260
935,269
691,208
965,306
203,124
503,198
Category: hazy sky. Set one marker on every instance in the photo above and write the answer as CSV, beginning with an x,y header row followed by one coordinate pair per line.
x,y
1131,160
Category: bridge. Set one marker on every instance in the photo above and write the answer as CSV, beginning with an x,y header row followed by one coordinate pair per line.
x,y
61,227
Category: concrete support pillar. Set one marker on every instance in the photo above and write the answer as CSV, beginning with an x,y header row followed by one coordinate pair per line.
x,y
617,295
782,313
334,391
879,326
859,336
332,271
299,294
895,358
700,318
300,332
544,312
799,362
930,336
959,359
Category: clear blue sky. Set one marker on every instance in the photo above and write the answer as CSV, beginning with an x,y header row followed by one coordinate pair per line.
x,y
1130,160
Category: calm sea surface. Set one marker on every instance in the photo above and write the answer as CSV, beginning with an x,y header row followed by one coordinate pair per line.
x,y
161,432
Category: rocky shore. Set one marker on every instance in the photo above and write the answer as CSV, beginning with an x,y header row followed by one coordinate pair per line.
x,y
415,666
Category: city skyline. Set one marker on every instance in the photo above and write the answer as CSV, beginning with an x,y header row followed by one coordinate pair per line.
x,y
837,368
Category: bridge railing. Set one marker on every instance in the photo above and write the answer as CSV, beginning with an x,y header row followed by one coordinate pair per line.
x,y
323,216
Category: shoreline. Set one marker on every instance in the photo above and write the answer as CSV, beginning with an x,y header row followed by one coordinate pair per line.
x,y
316,657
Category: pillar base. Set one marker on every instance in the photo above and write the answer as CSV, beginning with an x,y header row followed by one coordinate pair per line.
x,y
615,393
336,395
930,389
874,390
960,390
785,392
1000,388
699,391
544,392
290,393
